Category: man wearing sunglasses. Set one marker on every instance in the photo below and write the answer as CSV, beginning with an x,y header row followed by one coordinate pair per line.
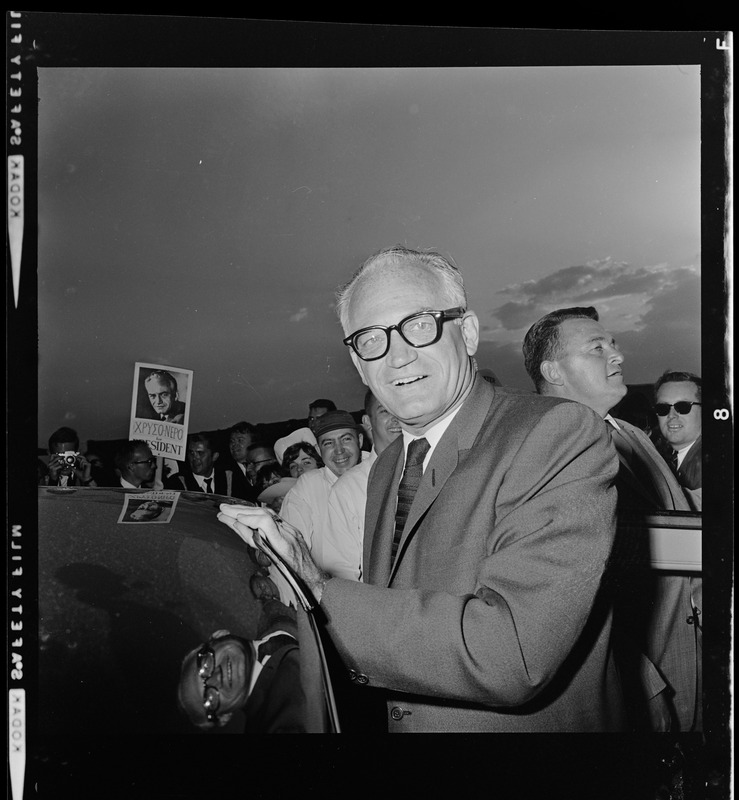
x,y
678,407
569,354
488,524
259,677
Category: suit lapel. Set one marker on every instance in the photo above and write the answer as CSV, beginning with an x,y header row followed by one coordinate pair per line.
x,y
379,520
457,438
670,494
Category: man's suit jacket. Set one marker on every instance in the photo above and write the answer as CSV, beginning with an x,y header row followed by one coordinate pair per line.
x,y
690,471
490,619
277,703
176,413
240,486
661,609
186,480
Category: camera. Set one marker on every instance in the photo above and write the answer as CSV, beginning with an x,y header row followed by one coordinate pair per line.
x,y
69,457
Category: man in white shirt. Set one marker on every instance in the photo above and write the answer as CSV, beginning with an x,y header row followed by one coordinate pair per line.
x,y
342,548
306,505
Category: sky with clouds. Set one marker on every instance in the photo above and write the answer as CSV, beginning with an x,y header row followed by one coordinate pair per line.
x,y
202,218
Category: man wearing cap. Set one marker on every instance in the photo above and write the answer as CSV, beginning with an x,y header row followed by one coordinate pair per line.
x,y
305,506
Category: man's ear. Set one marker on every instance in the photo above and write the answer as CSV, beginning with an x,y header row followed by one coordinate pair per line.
x,y
470,332
360,436
215,456
550,372
357,361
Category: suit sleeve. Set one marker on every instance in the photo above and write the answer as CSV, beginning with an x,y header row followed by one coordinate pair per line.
x,y
545,543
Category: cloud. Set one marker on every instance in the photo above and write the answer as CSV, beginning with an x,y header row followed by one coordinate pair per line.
x,y
300,315
654,313
624,295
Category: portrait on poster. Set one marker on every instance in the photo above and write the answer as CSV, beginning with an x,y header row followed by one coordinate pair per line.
x,y
148,507
160,408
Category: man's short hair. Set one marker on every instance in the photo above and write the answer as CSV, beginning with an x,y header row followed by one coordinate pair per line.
x,y
62,436
329,405
243,427
542,341
164,377
261,446
208,439
674,376
125,452
398,254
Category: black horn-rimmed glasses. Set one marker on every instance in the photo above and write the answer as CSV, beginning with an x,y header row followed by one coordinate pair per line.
x,y
418,330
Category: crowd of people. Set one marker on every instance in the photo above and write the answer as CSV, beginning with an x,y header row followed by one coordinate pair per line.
x,y
463,539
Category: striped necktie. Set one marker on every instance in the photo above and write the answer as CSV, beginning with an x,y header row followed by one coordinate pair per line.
x,y
673,461
408,485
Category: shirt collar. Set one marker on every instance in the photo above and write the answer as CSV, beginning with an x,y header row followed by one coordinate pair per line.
x,y
432,436
201,479
259,665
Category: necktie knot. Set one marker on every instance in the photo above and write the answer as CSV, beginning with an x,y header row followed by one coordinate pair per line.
x,y
417,450
673,461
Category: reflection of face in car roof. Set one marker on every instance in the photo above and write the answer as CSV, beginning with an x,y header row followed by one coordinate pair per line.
x,y
149,510
226,674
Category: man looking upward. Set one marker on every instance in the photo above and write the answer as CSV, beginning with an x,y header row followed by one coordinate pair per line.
x,y
569,354
479,609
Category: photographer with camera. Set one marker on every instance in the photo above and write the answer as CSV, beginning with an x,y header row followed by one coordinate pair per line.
x,y
67,466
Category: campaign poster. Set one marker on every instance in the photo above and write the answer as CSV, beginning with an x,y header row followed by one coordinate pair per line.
x,y
160,408
148,507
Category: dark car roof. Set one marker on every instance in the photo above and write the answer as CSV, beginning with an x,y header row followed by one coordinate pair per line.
x,y
122,601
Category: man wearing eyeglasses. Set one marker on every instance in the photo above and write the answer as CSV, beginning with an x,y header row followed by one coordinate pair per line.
x,y
136,466
569,354
480,609
260,677
678,407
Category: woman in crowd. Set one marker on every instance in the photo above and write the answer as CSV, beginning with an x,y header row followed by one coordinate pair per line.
x,y
301,457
